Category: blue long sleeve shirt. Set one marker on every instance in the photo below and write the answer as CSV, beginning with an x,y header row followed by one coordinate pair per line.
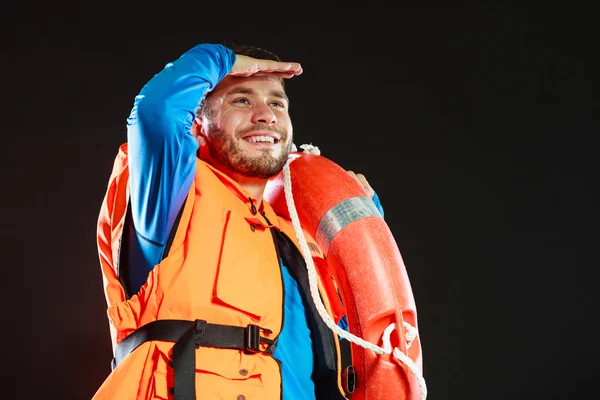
x,y
162,162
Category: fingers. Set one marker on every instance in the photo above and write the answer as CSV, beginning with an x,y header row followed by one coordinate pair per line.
x,y
245,66
360,178
284,75
271,66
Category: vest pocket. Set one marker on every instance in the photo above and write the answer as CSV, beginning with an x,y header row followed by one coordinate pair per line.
x,y
220,373
243,274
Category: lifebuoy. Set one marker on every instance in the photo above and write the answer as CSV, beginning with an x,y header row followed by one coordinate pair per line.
x,y
364,258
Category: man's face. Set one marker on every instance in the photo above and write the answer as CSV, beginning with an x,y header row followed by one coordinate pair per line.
x,y
247,129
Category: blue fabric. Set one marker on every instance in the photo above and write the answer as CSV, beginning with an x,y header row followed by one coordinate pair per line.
x,y
294,348
378,203
343,324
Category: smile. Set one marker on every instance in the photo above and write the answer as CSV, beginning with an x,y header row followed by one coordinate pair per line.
x,y
261,139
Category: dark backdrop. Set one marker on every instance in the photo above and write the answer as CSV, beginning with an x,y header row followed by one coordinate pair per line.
x,y
475,126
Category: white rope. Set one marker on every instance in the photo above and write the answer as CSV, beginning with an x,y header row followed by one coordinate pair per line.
x,y
310,149
312,279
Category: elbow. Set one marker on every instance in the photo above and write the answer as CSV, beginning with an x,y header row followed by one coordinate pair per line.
x,y
165,105
149,115
146,107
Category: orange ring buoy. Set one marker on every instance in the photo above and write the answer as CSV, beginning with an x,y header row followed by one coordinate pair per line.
x,y
364,258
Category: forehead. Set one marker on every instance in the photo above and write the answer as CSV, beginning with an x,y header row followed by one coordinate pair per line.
x,y
259,85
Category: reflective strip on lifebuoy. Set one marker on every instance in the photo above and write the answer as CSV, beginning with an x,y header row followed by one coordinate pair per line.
x,y
342,214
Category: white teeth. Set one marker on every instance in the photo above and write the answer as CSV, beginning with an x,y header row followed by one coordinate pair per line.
x,y
256,139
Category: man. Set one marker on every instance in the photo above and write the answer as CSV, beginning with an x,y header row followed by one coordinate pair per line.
x,y
206,289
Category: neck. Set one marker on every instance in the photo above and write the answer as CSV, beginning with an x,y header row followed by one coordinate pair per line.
x,y
254,186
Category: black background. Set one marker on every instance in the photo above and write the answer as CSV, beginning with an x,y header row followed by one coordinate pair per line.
x,y
475,126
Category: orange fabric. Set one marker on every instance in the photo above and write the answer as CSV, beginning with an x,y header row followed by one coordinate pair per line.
x,y
222,267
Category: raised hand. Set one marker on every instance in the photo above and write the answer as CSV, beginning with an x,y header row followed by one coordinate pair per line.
x,y
245,66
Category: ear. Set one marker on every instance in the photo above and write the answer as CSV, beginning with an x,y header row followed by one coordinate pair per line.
x,y
198,130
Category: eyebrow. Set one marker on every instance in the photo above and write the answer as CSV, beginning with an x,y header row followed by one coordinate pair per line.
x,y
274,93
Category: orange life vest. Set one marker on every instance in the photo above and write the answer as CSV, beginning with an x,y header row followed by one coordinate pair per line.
x,y
223,268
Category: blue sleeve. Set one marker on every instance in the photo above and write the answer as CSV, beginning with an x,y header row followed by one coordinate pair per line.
x,y
162,151
378,204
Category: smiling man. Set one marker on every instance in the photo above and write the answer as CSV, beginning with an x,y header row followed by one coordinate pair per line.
x,y
246,130
206,288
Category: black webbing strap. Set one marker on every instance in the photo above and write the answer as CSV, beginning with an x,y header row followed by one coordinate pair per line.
x,y
188,336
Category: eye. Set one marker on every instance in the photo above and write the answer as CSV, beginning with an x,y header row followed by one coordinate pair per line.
x,y
277,104
242,100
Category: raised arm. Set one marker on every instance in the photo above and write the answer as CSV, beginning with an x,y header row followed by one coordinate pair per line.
x,y
162,151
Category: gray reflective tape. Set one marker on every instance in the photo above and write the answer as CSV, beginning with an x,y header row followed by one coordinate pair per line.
x,y
341,215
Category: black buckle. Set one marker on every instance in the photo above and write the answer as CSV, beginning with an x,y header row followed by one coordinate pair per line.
x,y
349,379
252,338
198,331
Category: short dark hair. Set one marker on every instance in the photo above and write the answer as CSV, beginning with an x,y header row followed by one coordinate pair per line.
x,y
254,52
244,50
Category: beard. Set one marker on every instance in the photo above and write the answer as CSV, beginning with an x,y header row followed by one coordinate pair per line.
x,y
226,151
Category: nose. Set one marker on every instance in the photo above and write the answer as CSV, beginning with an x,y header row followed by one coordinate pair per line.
x,y
262,113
